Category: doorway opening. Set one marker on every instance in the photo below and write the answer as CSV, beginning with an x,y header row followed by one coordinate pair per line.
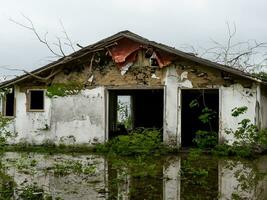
x,y
9,104
131,109
195,105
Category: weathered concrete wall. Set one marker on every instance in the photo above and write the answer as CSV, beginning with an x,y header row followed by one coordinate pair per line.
x,y
198,77
263,107
31,126
171,100
109,74
236,96
81,116
71,119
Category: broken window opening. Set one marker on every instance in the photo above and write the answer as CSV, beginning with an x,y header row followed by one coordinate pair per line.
x,y
200,112
153,61
9,103
36,100
124,112
131,109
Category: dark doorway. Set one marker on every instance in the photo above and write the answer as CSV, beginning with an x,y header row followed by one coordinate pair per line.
x,y
140,109
9,103
193,103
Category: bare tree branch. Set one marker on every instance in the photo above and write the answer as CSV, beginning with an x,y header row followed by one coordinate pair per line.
x,y
70,43
44,40
43,79
246,56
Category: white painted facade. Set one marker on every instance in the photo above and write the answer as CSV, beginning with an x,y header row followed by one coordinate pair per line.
x,y
71,119
83,118
229,98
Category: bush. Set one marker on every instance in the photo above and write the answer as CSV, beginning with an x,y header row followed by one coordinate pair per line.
x,y
138,142
206,139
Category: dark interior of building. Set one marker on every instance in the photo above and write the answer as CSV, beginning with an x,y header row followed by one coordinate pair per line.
x,y
193,103
9,104
146,109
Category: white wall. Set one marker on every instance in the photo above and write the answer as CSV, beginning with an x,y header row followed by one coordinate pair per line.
x,y
82,116
172,121
170,108
31,126
236,96
263,108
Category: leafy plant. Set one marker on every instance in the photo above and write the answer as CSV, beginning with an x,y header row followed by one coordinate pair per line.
x,y
206,139
137,142
76,167
207,115
247,134
31,192
238,111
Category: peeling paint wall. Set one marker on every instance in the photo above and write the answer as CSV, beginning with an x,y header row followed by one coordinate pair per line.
x,y
231,97
31,126
264,107
170,121
70,119
81,116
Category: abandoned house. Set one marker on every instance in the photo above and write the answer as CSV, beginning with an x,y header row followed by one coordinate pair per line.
x,y
124,82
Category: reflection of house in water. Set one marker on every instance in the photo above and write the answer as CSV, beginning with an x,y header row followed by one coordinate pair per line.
x,y
77,96
166,179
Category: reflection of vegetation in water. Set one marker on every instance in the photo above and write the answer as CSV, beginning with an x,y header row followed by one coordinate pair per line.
x,y
135,178
67,167
7,186
248,177
199,176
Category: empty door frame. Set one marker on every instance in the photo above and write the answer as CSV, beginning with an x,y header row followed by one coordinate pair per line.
x,y
179,113
107,93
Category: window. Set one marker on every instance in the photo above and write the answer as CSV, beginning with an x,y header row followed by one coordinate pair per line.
x,y
36,100
9,103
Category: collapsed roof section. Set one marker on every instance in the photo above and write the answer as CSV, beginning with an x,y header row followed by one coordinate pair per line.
x,y
123,48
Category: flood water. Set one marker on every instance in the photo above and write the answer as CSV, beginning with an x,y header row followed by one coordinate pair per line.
x,y
71,177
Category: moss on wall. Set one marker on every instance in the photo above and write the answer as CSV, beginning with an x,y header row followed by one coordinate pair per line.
x,y
61,89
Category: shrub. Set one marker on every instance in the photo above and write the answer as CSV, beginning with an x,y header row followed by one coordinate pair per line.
x,y
206,139
137,142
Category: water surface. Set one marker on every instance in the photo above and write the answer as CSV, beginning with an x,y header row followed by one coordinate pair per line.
x,y
92,177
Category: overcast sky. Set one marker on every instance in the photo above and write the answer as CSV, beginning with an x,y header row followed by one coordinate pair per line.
x,y
173,22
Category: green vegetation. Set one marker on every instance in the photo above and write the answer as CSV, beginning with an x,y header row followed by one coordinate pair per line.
x,y
61,89
249,139
31,192
198,176
4,132
73,167
137,142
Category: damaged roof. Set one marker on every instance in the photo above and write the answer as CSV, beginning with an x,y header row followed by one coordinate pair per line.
x,y
111,41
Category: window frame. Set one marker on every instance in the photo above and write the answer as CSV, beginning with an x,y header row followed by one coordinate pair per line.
x,y
29,100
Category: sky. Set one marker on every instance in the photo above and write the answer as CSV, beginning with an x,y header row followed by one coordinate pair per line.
x,y
173,22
